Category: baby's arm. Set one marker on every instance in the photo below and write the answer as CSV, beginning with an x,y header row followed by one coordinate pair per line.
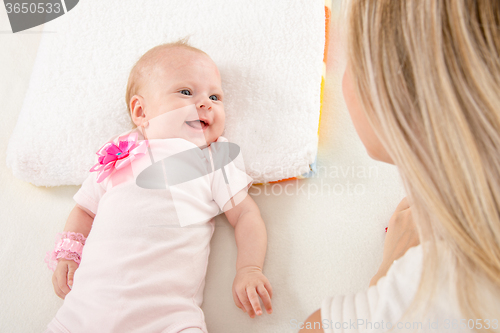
x,y
79,220
251,240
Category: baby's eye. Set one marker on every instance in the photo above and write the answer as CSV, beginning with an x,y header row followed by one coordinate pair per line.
x,y
185,92
214,98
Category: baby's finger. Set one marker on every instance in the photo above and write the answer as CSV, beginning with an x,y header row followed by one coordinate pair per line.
x,y
254,300
71,273
61,276
237,301
242,295
57,290
266,298
269,288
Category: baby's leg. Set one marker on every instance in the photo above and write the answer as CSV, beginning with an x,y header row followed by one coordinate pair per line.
x,y
192,330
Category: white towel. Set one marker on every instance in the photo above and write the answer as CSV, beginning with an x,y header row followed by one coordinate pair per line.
x,y
269,55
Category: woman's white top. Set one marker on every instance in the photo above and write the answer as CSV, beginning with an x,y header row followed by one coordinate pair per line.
x,y
382,306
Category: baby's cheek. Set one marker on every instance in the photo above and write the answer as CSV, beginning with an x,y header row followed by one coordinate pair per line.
x,y
220,128
222,118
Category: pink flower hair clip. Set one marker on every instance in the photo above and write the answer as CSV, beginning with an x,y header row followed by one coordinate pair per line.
x,y
113,157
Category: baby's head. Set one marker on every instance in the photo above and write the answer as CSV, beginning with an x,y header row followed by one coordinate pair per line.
x,y
177,77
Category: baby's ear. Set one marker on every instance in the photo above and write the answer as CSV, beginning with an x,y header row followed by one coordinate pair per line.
x,y
137,110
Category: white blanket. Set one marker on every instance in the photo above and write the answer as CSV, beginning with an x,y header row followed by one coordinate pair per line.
x,y
269,55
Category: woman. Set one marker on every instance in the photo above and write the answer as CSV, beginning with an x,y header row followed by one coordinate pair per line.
x,y
422,86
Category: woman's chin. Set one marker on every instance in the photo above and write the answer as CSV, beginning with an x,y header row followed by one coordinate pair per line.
x,y
379,156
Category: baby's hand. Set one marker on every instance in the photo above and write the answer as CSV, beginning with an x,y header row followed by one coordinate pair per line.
x,y
248,285
62,279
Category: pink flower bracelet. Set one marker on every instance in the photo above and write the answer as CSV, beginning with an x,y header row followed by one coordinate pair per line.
x,y
68,245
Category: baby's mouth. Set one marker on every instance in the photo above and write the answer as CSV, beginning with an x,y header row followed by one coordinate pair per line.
x,y
197,124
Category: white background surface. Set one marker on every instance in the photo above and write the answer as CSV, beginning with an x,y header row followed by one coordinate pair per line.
x,y
325,235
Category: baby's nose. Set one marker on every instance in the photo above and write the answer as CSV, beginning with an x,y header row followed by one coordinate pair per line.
x,y
204,105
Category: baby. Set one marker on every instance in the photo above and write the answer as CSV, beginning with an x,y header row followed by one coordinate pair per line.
x,y
144,242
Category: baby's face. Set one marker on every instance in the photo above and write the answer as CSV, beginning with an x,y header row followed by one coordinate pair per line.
x,y
185,95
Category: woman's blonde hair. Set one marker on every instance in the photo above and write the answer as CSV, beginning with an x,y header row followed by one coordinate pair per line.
x,y
427,73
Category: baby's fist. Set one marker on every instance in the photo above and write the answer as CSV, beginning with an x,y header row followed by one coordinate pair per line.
x,y
62,279
248,285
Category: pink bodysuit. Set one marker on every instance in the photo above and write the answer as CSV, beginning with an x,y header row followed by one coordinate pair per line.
x,y
141,271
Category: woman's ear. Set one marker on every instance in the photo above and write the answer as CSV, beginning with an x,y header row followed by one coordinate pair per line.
x,y
137,110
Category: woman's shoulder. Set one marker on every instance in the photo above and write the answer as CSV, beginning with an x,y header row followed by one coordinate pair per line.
x,y
405,272
384,305
381,303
